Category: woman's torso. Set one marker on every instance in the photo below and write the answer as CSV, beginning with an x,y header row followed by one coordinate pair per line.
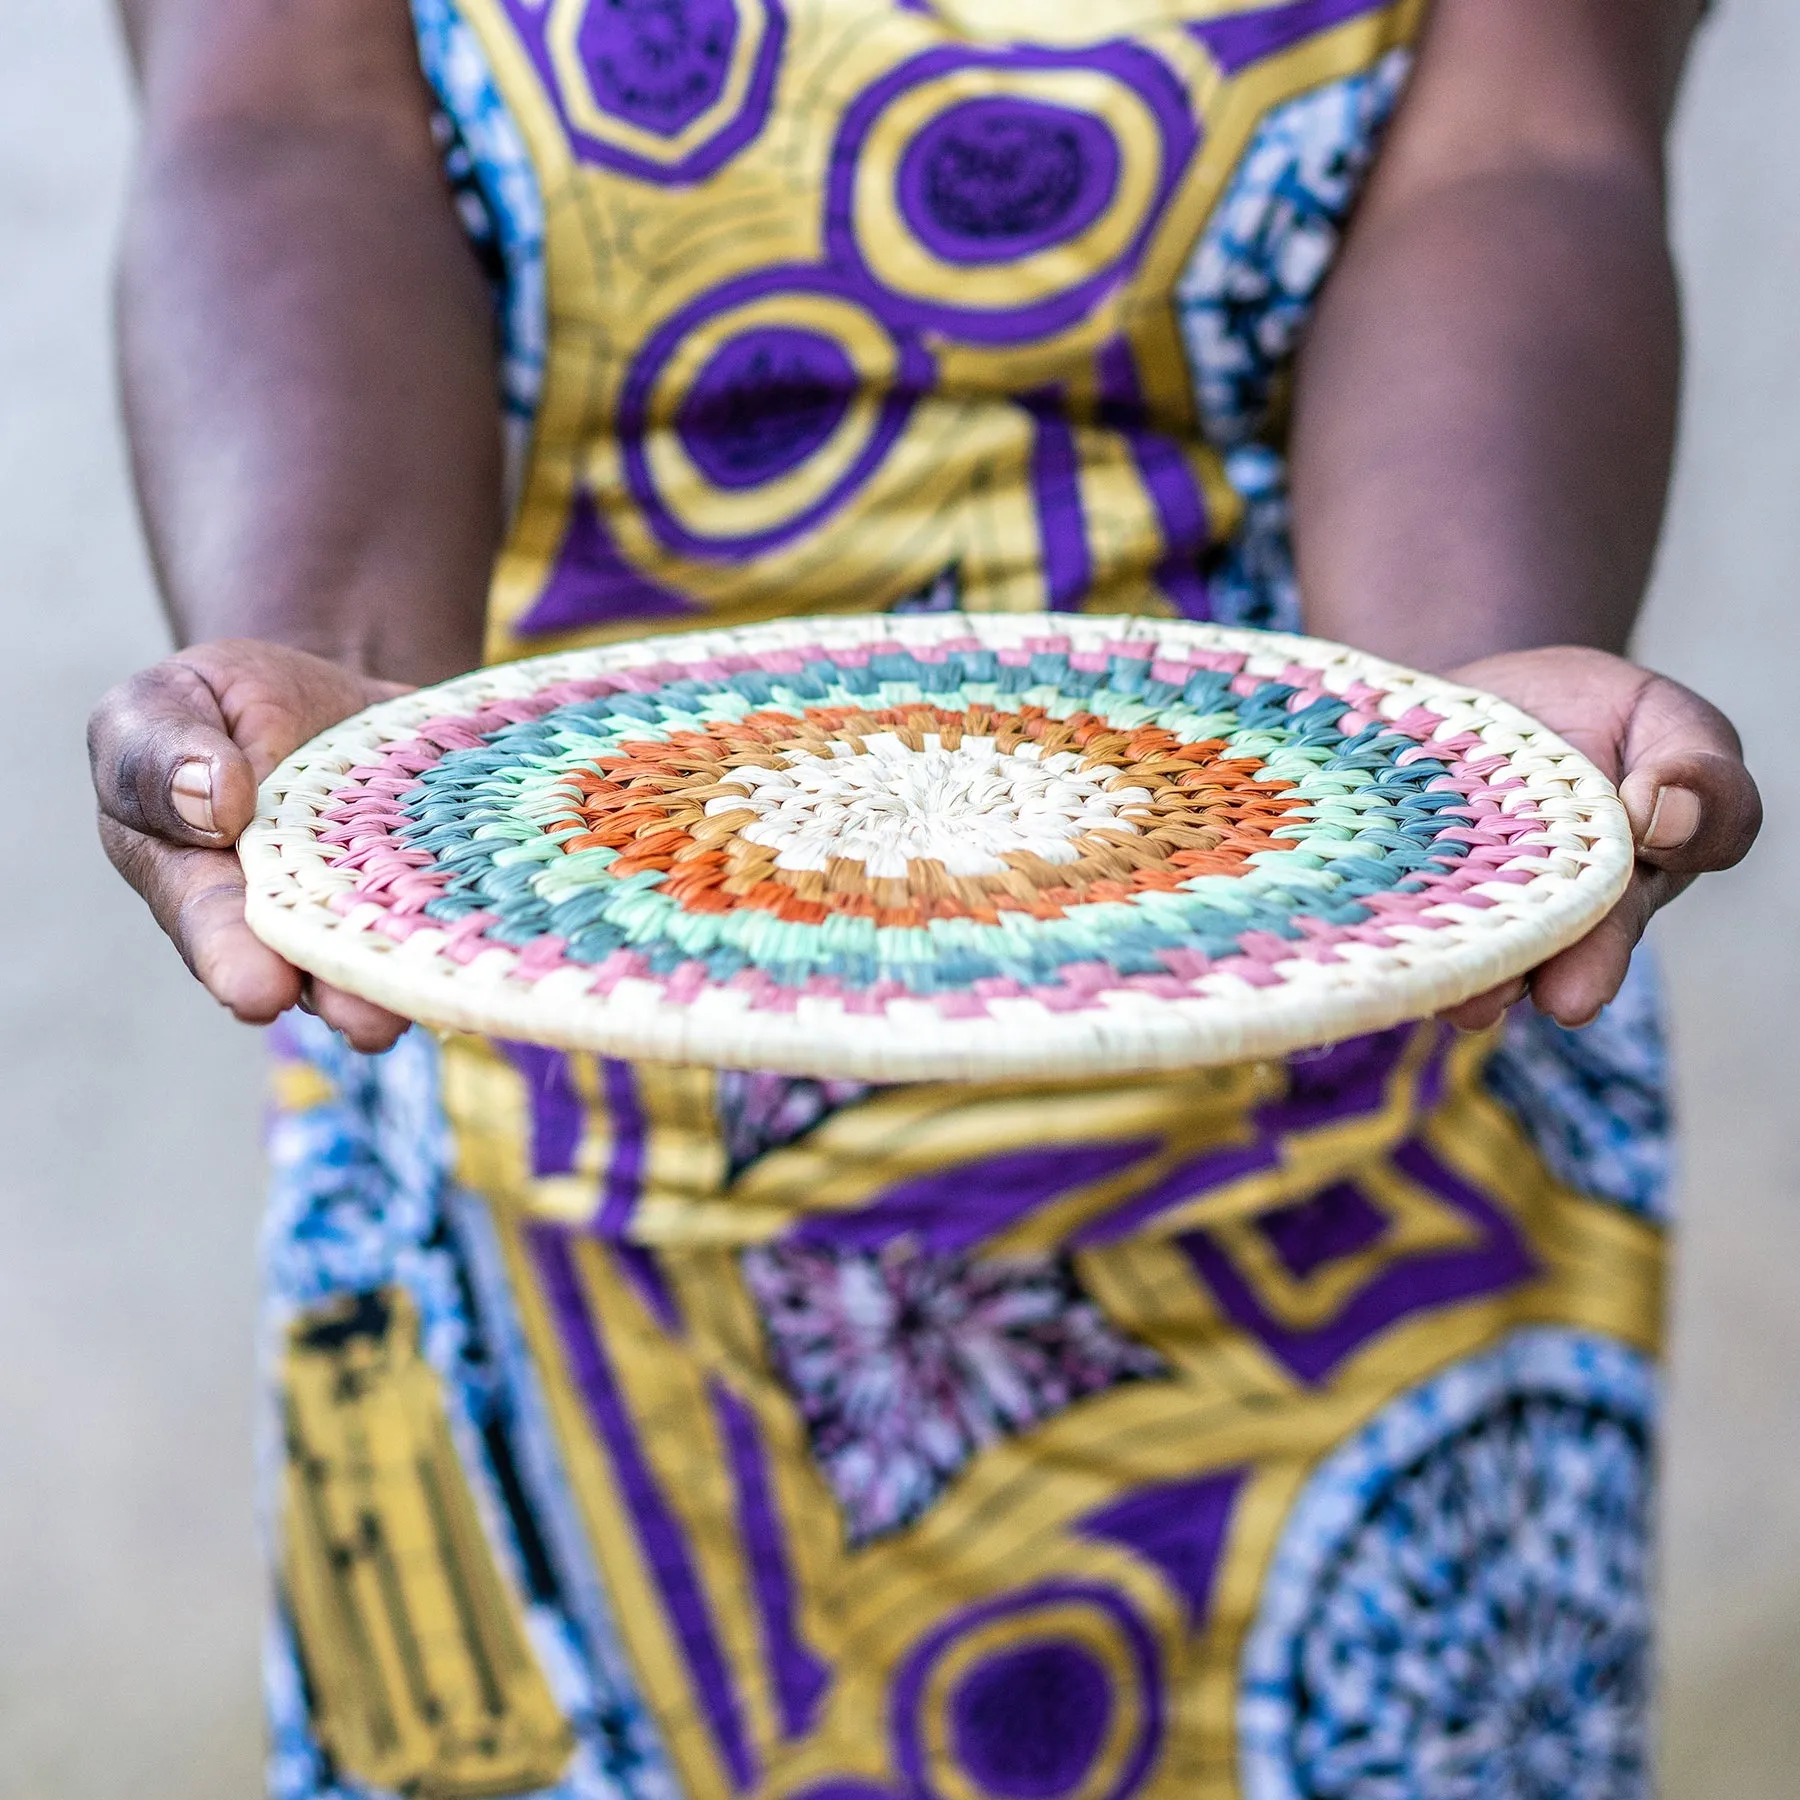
x,y
848,304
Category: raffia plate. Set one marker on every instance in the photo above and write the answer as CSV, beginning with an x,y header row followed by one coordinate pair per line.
x,y
935,846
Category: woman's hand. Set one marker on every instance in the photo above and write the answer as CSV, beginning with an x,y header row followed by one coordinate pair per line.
x,y
1680,771
177,753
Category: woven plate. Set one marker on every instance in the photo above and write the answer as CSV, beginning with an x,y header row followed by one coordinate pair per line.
x,y
907,848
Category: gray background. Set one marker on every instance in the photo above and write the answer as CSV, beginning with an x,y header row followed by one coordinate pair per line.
x,y
128,1163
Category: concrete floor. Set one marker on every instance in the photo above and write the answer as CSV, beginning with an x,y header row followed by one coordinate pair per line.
x,y
128,1201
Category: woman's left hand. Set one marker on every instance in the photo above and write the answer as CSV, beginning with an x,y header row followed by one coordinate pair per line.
x,y
1680,771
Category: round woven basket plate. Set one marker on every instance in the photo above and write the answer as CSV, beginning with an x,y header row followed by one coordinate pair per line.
x,y
909,848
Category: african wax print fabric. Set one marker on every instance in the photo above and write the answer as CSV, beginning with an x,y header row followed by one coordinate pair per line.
x,y
640,1433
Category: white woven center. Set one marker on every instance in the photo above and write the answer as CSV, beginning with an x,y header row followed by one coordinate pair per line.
x,y
890,805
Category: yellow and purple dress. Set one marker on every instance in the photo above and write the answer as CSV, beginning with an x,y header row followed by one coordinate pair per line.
x,y
646,1433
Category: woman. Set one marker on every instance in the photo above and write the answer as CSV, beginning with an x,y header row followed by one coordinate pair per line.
x,y
1279,1431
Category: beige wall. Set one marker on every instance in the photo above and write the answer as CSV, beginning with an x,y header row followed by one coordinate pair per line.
x,y
128,1171
1725,616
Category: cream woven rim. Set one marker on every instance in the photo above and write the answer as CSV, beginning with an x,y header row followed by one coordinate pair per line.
x,y
1547,903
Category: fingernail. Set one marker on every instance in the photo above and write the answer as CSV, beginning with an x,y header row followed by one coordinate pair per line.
x,y
1673,820
190,791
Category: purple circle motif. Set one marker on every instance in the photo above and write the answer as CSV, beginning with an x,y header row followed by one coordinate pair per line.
x,y
658,64
1028,1723
764,403
633,78
995,179
701,421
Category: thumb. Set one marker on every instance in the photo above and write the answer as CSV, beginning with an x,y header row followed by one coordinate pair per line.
x,y
1693,804
164,762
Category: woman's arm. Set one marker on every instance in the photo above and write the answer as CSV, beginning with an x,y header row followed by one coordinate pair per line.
x,y
1485,405
1484,417
307,347
310,385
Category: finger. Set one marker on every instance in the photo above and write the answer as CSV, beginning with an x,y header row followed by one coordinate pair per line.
x,y
364,1025
1693,805
164,762
1574,985
274,698
1485,1009
197,897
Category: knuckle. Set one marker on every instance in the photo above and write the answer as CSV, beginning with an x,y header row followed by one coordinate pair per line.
x,y
208,906
139,779
101,719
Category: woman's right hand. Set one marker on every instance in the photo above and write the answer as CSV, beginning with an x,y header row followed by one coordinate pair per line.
x,y
178,752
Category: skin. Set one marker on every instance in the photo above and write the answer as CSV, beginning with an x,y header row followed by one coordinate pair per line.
x,y
1483,417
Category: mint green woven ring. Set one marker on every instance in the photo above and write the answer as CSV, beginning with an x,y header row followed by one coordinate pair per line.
x,y
913,848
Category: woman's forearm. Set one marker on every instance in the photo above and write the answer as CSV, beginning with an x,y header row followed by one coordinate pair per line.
x,y
1485,408
1484,432
308,364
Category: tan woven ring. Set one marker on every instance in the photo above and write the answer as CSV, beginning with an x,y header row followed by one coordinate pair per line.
x,y
1571,868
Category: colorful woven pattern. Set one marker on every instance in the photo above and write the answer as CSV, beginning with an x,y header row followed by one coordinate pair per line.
x,y
911,848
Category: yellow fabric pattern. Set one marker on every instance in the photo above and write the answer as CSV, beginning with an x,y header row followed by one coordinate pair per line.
x,y
1008,409
1237,1403
425,1681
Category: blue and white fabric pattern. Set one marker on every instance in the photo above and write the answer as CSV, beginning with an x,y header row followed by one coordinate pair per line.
x,y
1423,1635
1595,1102
1246,296
502,211
362,1200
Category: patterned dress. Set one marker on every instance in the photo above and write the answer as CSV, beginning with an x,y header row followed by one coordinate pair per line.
x,y
640,1432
